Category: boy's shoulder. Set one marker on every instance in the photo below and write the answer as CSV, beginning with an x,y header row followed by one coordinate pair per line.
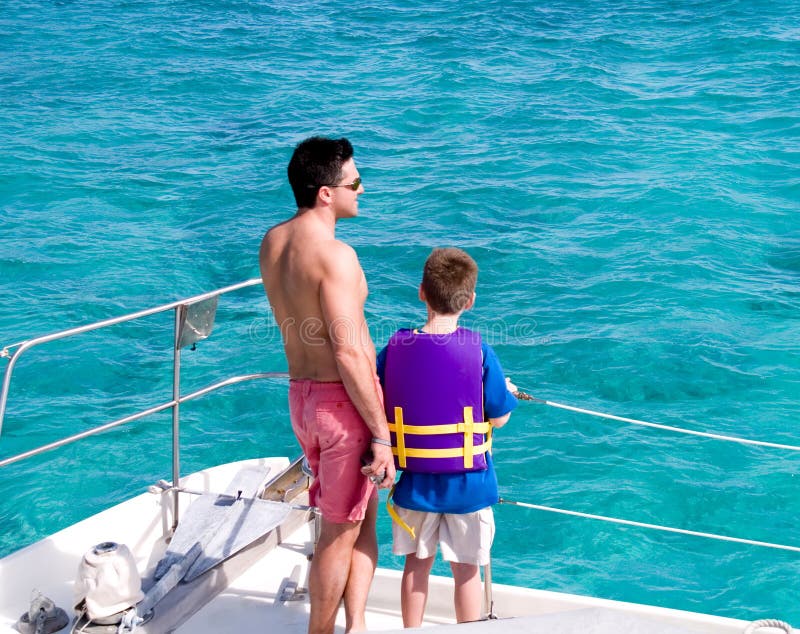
x,y
460,333
401,333
407,336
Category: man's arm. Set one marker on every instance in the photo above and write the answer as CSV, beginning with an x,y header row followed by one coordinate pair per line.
x,y
342,295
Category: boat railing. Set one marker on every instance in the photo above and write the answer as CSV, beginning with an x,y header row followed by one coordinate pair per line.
x,y
193,321
523,395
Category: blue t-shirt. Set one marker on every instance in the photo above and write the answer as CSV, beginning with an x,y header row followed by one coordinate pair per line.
x,y
458,492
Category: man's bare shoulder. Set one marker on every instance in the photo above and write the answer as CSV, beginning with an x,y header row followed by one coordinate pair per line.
x,y
274,236
302,231
337,250
338,257
266,252
289,241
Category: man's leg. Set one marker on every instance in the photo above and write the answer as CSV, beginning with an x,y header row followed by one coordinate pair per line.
x,y
414,589
330,569
362,569
467,594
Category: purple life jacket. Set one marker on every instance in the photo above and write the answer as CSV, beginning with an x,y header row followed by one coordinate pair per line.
x,y
433,393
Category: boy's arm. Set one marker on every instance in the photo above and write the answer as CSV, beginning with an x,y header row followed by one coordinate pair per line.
x,y
380,363
499,422
497,390
502,420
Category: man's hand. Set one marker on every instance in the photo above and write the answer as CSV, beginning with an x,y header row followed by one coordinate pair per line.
x,y
381,471
510,386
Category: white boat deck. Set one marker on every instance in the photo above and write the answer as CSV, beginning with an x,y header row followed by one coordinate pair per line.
x,y
248,598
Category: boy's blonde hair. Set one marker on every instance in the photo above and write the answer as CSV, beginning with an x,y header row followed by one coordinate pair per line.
x,y
448,280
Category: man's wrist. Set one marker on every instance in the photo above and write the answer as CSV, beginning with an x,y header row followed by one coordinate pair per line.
x,y
381,441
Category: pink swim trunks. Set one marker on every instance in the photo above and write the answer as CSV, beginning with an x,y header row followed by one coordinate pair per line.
x,y
333,437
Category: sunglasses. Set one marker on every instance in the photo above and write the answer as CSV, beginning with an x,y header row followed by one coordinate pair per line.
x,y
354,185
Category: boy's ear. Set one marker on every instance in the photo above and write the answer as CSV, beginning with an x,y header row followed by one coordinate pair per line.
x,y
471,302
421,294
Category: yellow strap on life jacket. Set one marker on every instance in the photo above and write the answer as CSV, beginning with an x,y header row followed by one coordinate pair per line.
x,y
400,432
453,452
396,518
468,428
469,450
450,428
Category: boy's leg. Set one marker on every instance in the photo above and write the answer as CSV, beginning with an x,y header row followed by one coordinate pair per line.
x,y
466,541
420,552
414,589
362,569
467,595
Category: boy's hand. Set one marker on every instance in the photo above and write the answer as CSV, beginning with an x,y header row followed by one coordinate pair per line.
x,y
510,386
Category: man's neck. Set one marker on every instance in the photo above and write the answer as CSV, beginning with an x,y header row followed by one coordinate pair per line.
x,y
440,324
318,215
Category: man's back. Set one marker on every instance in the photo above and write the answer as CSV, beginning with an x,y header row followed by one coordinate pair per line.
x,y
299,257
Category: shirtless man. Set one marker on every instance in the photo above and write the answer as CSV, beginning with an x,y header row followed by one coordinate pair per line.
x,y
317,291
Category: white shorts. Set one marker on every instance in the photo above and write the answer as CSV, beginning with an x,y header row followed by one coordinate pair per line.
x,y
465,538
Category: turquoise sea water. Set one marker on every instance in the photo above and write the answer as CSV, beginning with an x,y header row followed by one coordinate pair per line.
x,y
626,174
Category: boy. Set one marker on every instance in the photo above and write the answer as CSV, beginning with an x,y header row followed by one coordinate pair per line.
x,y
444,390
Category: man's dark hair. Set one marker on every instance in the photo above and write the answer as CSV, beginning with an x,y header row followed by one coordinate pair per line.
x,y
448,280
317,161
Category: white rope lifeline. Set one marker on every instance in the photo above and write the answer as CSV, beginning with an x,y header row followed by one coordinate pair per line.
x,y
658,527
744,441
